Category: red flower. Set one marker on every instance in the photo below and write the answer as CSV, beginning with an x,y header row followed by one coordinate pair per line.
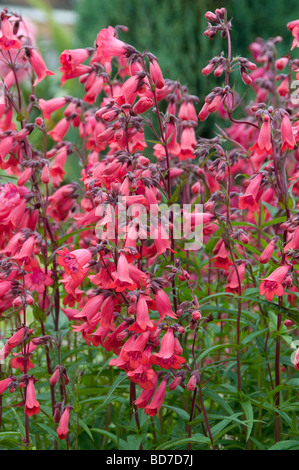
x,y
74,262
267,253
249,198
166,357
272,285
63,428
164,305
32,406
264,143
288,140
143,321
8,40
233,281
108,45
4,385
48,107
38,65
60,130
156,74
153,408
221,256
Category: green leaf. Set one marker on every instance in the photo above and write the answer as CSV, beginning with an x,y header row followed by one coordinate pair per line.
x,y
196,438
291,444
181,413
250,337
247,407
111,436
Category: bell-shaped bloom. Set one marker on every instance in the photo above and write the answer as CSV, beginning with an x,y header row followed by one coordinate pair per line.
x,y
293,26
70,59
63,428
4,384
146,395
25,176
233,279
74,262
108,45
5,146
32,405
143,322
60,130
188,143
284,87
267,253
122,277
288,140
56,171
249,200
156,74
128,91
166,357
221,257
91,308
294,243
153,408
164,305
25,253
50,106
204,112
55,377
272,285
142,105
8,40
38,65
264,143
187,112
17,338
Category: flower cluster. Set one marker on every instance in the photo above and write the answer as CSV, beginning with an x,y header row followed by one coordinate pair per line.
x,y
134,290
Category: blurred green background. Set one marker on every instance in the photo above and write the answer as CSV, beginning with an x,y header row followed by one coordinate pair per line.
x,y
173,29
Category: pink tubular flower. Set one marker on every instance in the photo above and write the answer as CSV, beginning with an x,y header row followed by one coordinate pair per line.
x,y
38,65
48,107
60,130
294,243
17,338
8,39
264,143
221,257
63,428
166,357
288,140
164,305
128,91
249,198
122,280
272,285
143,321
267,253
153,408
55,376
4,385
32,405
108,45
188,143
71,59
204,112
73,262
233,279
143,105
156,74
